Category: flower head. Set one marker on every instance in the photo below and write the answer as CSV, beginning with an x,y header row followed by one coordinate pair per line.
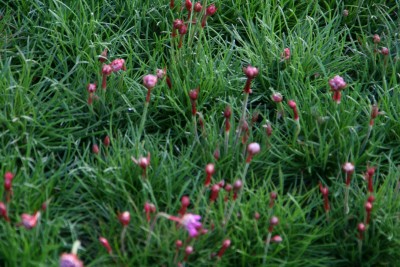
x,y
192,223
124,218
276,239
385,51
253,148
197,7
150,81
211,10
376,38
118,64
104,243
348,167
29,221
337,83
286,53
177,24
91,88
70,260
345,13
161,73
277,97
250,71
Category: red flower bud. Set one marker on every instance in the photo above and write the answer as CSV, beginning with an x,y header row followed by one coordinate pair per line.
x,y
95,149
104,243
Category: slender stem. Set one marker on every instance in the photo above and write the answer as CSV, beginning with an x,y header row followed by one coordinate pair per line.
x,y
266,248
142,122
153,223
75,247
243,118
122,240
196,134
226,142
239,197
366,139
296,134
360,249
346,201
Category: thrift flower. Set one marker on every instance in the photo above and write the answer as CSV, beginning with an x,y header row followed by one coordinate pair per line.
x,y
118,64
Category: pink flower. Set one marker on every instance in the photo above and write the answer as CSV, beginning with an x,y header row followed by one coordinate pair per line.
x,y
124,218
385,51
286,53
118,64
250,71
277,97
276,239
30,221
192,223
376,38
70,260
3,211
149,81
345,13
104,243
197,7
161,73
337,83
210,11
91,88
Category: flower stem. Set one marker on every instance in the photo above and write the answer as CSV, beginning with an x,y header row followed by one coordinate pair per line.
x,y
346,201
267,243
226,142
122,240
142,122
243,118
246,167
196,134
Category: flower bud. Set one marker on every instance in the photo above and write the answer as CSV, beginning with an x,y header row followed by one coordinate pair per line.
x,y
124,218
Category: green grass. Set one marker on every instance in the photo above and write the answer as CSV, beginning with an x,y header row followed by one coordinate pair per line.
x,y
49,54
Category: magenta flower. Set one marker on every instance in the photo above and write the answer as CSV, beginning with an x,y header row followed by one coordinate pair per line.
x,y
192,223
